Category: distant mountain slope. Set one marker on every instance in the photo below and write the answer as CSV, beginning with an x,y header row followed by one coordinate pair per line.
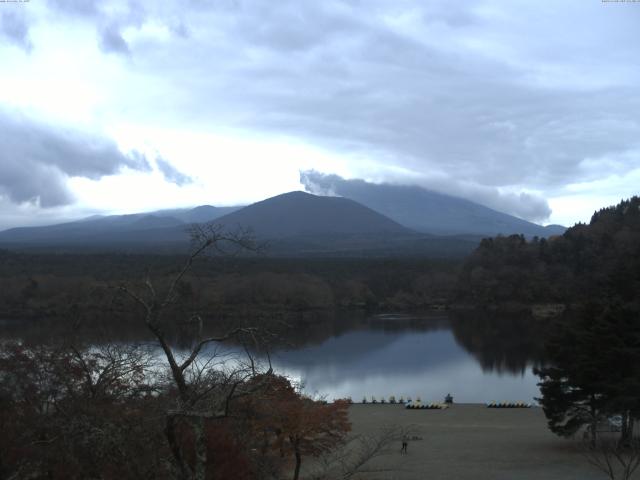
x,y
425,210
201,214
299,213
554,230
101,228
295,224
88,230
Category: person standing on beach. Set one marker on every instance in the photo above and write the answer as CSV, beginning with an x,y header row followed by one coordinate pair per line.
x,y
405,444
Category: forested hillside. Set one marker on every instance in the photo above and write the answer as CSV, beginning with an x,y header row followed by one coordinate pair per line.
x,y
47,285
598,259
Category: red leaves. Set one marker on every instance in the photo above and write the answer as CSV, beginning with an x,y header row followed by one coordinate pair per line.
x,y
89,413
292,424
75,414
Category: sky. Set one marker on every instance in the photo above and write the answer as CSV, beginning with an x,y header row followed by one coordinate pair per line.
x,y
528,107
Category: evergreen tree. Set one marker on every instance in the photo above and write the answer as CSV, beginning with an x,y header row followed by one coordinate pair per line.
x,y
572,396
594,369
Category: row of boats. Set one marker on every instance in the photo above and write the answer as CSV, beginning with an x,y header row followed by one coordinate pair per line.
x,y
508,405
443,406
427,406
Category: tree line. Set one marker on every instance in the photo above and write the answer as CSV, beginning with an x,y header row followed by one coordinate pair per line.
x,y
590,382
42,286
601,260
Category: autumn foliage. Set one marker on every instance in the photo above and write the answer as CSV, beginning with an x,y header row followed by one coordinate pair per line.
x,y
293,425
69,413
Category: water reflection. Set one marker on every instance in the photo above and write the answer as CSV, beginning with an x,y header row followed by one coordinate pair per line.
x,y
478,357
417,357
501,343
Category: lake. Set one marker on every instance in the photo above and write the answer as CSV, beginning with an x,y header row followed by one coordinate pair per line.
x,y
411,356
478,357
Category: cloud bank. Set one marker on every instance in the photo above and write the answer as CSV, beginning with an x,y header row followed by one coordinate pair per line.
x,y
525,206
37,159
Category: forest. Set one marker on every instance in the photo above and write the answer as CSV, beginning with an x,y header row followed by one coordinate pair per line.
x,y
601,259
591,374
48,285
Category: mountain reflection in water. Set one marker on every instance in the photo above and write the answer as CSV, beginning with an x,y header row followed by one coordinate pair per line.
x,y
475,356
477,360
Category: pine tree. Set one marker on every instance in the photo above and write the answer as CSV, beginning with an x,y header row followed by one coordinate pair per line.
x,y
594,369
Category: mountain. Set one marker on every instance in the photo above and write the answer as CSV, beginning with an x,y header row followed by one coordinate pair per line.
x,y
201,214
302,224
286,215
294,214
120,229
425,210
87,231
299,213
294,224
552,230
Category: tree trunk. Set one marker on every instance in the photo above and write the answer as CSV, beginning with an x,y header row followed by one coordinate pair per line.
x,y
170,432
199,431
265,442
626,435
594,423
176,372
296,449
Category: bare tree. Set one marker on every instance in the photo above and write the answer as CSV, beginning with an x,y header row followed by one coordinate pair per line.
x,y
353,460
618,460
78,412
204,384
120,371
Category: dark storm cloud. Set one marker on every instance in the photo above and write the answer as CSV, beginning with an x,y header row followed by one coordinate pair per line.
x,y
171,174
37,159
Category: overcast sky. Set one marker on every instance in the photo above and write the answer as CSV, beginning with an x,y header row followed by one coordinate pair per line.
x,y
529,107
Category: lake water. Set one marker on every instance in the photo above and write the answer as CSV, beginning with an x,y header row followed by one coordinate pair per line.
x,y
477,357
409,358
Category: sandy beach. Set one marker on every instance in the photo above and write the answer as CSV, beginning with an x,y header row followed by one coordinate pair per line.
x,y
472,442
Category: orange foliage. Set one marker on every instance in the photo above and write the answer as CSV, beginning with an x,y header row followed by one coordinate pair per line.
x,y
296,425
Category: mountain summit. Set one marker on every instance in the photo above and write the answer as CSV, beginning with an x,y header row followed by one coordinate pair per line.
x,y
299,213
425,210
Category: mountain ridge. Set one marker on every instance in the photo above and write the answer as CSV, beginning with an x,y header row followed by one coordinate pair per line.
x,y
300,213
426,210
295,224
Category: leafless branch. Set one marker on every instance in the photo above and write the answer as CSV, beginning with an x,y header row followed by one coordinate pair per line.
x,y
354,457
615,459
